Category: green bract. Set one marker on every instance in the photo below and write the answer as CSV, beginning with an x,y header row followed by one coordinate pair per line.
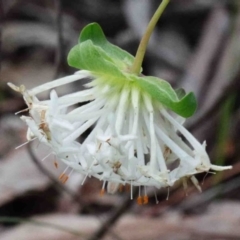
x,y
94,53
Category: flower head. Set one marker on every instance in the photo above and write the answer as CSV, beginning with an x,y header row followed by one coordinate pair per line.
x,y
133,120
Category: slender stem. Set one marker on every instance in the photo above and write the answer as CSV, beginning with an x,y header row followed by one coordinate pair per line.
x,y
137,64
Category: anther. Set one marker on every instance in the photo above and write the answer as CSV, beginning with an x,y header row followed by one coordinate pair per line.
x,y
55,164
145,199
102,192
63,178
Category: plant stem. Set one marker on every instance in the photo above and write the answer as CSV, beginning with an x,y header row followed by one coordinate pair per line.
x,y
137,64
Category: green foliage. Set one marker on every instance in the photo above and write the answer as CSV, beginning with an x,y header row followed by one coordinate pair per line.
x,y
94,53
162,91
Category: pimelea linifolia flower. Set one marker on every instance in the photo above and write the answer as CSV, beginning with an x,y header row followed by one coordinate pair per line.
x,y
135,121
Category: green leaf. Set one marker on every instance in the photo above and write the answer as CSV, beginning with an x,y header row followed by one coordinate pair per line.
x,y
162,91
94,32
90,57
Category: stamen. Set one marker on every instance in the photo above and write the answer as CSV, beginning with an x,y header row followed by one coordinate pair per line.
x,y
63,178
139,199
204,177
145,199
55,164
168,193
102,192
131,191
156,199
47,156
24,110
87,173
25,143
84,179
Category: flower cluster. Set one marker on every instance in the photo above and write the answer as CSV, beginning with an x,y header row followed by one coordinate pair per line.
x,y
134,121
133,138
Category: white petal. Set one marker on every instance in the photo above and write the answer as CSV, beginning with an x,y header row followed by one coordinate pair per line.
x,y
60,82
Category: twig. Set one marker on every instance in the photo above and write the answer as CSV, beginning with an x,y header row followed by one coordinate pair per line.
x,y
127,203
60,44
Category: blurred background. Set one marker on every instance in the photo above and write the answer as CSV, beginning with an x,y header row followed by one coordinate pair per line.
x,y
196,45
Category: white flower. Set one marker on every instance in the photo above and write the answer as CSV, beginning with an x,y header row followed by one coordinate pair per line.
x,y
133,138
